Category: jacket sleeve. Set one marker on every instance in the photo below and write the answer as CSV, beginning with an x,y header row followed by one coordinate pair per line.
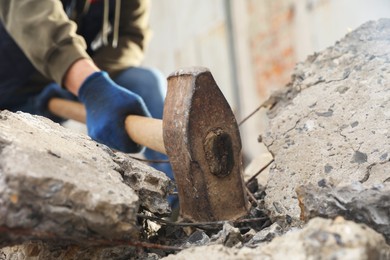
x,y
45,34
134,35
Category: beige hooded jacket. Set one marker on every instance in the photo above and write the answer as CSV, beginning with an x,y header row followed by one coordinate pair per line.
x,y
48,35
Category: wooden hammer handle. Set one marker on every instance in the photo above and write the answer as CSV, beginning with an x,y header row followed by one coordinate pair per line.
x,y
142,130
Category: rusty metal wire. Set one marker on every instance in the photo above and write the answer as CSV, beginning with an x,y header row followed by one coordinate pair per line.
x,y
252,198
269,103
259,172
250,115
201,225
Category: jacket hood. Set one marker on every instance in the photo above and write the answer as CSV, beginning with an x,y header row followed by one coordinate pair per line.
x,y
107,28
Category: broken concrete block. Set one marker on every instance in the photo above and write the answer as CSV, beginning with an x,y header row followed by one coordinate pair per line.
x,y
60,185
198,238
213,252
319,239
37,250
333,120
354,202
267,234
329,239
229,236
151,185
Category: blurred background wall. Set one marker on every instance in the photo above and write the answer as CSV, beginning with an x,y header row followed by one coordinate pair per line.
x,y
250,46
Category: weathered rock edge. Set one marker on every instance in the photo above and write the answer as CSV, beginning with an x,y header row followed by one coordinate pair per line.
x,y
332,122
59,185
354,202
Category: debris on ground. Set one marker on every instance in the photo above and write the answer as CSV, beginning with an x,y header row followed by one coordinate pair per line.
x,y
325,196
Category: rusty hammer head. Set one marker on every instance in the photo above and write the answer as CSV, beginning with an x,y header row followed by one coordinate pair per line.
x,y
202,140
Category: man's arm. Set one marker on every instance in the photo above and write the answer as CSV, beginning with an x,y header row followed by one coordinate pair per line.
x,y
78,73
47,37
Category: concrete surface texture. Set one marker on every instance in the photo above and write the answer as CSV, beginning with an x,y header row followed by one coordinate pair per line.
x,y
59,185
333,121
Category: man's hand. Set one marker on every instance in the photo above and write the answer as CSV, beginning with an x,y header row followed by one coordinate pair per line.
x,y
107,106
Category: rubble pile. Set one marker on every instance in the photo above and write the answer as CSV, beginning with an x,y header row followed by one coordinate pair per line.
x,y
63,196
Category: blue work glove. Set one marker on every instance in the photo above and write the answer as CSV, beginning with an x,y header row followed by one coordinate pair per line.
x,y
39,103
108,105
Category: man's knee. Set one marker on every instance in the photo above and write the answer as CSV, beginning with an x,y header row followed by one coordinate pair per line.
x,y
139,79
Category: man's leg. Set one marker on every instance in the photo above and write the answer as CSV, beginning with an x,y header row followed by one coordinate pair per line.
x,y
150,84
26,95
15,95
34,100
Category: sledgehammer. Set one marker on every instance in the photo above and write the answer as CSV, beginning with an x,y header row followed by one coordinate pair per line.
x,y
200,135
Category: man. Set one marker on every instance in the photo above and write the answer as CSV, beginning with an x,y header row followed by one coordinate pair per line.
x,y
87,50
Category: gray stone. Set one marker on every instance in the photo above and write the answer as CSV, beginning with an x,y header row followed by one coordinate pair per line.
x,y
332,122
266,235
151,185
319,239
354,202
42,251
229,236
198,238
56,184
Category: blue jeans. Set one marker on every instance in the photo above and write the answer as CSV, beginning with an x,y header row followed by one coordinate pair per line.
x,y
151,85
